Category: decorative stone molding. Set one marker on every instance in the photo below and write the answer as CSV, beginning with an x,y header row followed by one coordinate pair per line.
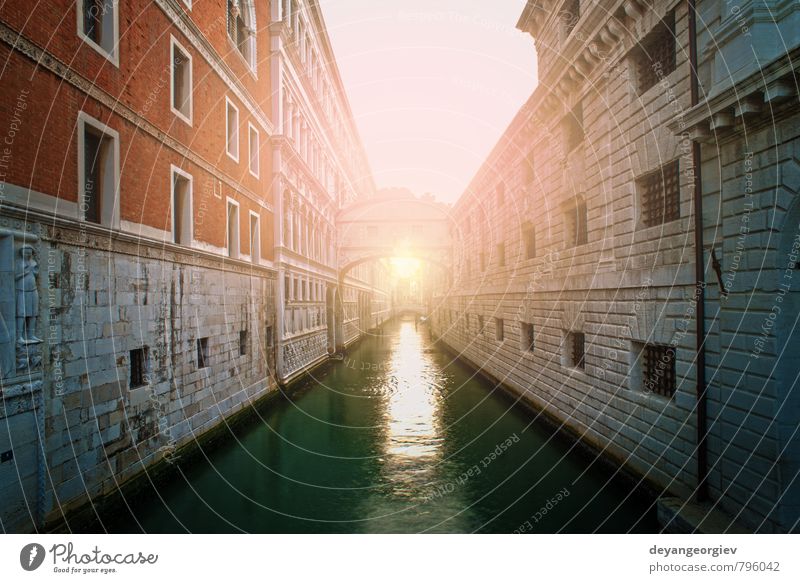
x,y
572,318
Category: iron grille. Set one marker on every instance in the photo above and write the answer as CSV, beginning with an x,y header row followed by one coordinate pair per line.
x,y
661,201
656,57
579,349
659,369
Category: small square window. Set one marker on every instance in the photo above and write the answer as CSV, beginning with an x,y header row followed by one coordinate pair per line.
x,y
526,337
138,361
499,329
202,353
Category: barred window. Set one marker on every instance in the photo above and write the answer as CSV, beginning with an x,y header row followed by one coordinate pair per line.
x,y
655,54
658,368
660,195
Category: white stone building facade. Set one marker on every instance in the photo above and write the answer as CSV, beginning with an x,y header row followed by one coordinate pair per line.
x,y
319,167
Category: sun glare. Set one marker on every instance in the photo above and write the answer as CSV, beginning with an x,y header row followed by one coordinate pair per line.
x,y
404,267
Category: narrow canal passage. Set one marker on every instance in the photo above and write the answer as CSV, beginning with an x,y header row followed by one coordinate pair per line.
x,y
395,438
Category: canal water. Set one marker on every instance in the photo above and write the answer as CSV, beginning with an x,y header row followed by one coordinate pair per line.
x,y
398,437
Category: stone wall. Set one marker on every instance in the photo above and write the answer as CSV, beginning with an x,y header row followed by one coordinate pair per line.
x,y
126,384
752,222
586,138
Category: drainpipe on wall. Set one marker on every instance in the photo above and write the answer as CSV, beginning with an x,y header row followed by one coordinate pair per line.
x,y
700,372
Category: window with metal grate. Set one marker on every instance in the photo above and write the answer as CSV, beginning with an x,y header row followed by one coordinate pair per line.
x,y
658,366
660,195
655,54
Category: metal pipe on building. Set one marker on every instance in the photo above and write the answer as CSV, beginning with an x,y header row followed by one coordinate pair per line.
x,y
700,371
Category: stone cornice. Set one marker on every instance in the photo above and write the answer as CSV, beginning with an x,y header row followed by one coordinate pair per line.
x,y
93,236
765,87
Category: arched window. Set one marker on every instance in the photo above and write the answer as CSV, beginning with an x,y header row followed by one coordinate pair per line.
x,y
242,27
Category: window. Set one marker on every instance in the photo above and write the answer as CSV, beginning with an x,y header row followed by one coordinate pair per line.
x,y
255,237
576,347
254,150
501,194
576,223
526,337
98,25
657,362
181,207
572,128
660,195
233,229
232,129
181,82
501,254
529,240
530,168
499,331
654,57
481,325
98,172
202,353
270,338
238,30
138,357
243,342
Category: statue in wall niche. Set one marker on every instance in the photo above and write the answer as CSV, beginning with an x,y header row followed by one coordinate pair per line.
x,y
26,277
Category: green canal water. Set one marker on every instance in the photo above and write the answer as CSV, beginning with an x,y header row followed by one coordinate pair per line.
x,y
398,437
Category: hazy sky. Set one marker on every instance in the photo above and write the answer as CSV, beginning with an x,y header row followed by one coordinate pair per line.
x,y
432,84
